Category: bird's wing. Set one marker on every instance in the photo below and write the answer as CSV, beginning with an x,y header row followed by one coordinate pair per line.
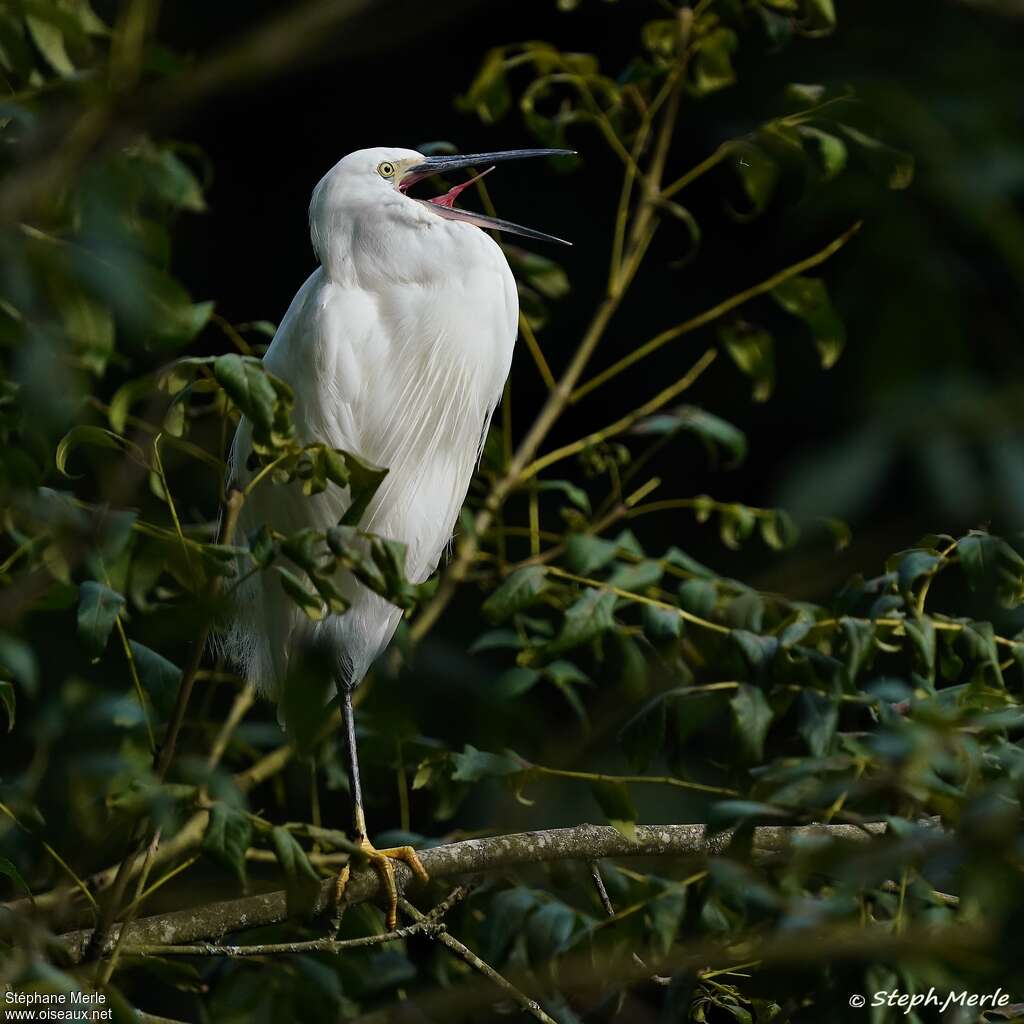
x,y
318,359
405,376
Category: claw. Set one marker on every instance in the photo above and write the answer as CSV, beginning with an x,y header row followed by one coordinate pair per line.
x,y
381,860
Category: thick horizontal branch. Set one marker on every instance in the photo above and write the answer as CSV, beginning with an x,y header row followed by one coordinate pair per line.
x,y
471,856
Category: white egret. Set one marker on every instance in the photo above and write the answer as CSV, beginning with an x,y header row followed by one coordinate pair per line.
x,y
397,348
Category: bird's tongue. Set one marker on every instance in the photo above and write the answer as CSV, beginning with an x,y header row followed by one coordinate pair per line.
x,y
448,199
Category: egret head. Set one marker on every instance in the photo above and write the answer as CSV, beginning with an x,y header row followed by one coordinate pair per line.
x,y
369,175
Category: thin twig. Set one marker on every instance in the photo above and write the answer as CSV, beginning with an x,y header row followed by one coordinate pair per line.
x,y
602,892
244,700
714,313
643,227
426,926
606,902
656,780
165,755
531,1006
625,422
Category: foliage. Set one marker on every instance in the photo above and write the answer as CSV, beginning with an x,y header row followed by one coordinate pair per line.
x,y
899,701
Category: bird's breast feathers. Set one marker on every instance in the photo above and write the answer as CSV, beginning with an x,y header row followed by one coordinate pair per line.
x,y
405,369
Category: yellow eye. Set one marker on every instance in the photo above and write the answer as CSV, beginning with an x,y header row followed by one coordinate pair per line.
x,y
386,170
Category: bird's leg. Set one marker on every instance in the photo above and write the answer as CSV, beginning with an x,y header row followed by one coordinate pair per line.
x,y
380,859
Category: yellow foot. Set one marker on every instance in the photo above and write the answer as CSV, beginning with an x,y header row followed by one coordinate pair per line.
x,y
381,862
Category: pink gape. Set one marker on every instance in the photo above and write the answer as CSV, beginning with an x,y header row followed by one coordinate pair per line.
x,y
448,199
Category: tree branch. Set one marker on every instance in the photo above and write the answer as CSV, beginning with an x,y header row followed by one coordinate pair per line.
x,y
471,856
525,1003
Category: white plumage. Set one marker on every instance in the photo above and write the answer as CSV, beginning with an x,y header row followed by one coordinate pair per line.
x,y
397,347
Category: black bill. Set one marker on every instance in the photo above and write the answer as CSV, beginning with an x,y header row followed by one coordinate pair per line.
x,y
444,164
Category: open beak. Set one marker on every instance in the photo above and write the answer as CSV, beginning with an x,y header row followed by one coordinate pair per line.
x,y
444,205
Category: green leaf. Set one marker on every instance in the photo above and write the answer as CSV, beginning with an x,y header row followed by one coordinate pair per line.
x,y
758,172
666,915
819,716
896,166
636,577
758,651
698,597
8,869
735,524
227,837
915,564
365,481
488,95
711,67
730,813
89,325
778,530
497,639
840,532
472,765
172,180
711,429
542,273
566,677
504,921
94,437
829,149
753,350
160,803
18,660
660,625
661,36
575,494
514,682
820,16
563,672
302,883
242,377
8,700
922,634
858,649
979,640
752,716
263,547
807,298
161,309
680,559
587,618
517,593
585,554
98,609
977,557
311,603
804,94
615,801
159,677
548,931
124,398
989,561
304,548
49,38
745,611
